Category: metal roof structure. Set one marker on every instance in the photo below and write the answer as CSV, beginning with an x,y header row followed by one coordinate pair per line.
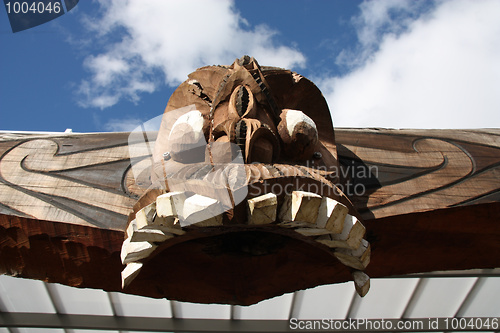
x,y
36,306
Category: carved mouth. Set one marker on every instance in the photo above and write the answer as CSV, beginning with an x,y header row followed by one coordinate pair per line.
x,y
277,212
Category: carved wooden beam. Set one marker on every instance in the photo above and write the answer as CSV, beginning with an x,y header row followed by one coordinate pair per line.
x,y
75,210
42,236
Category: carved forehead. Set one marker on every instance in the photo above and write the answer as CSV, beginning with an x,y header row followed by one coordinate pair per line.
x,y
214,84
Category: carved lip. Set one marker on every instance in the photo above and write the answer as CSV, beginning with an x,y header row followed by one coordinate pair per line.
x,y
259,179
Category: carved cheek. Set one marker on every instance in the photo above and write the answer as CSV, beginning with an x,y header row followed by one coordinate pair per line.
x,y
186,141
223,151
299,134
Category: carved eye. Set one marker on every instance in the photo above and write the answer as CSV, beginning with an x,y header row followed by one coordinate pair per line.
x,y
186,141
299,134
242,102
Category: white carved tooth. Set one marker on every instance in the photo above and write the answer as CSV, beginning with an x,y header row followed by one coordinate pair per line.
x,y
176,229
351,235
300,206
353,232
145,216
331,215
170,204
202,211
312,231
154,235
210,222
130,272
134,251
361,282
285,214
262,209
131,228
123,253
161,222
294,224
357,259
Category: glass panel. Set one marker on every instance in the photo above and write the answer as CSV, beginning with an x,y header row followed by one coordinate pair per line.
x,y
23,295
324,302
71,300
274,308
439,297
387,298
203,311
138,306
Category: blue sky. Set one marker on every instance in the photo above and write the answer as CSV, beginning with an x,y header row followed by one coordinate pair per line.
x,y
110,65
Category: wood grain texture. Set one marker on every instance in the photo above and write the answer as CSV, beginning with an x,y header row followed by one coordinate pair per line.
x,y
65,200
78,179
420,170
67,253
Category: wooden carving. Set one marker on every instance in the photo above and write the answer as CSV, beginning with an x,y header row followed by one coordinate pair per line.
x,y
248,193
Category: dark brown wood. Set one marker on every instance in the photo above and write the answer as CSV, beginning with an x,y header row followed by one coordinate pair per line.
x,y
456,238
68,253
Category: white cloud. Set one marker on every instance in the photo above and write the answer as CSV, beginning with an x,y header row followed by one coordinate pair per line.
x,y
122,125
377,20
106,68
441,70
170,38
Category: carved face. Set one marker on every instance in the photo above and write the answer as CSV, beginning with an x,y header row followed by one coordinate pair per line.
x,y
274,121
272,114
248,152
